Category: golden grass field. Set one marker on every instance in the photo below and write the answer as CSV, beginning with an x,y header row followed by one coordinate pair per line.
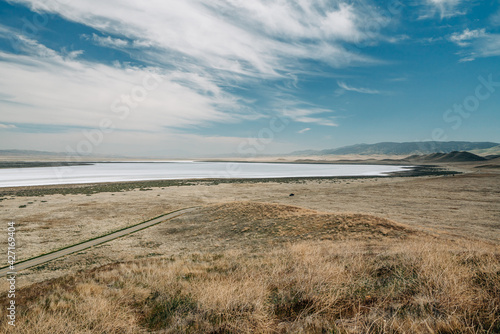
x,y
384,255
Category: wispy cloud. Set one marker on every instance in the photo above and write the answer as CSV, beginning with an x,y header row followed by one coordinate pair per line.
x,y
464,38
257,38
65,91
200,49
476,44
221,41
397,39
310,115
304,130
107,41
344,87
489,46
398,79
495,18
443,8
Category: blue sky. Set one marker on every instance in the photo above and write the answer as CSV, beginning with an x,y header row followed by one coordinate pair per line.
x,y
192,78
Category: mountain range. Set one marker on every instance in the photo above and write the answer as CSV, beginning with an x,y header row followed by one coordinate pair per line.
x,y
385,148
405,148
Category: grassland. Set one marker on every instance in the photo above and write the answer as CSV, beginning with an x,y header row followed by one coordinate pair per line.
x,y
285,270
379,255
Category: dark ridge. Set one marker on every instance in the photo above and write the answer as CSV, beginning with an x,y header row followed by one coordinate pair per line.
x,y
446,157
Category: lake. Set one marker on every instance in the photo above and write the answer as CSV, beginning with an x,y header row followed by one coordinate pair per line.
x,y
141,171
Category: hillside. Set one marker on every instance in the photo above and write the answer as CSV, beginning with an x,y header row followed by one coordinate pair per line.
x,y
405,148
495,150
23,153
289,270
446,157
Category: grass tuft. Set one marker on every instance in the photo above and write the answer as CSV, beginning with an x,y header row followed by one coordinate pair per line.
x,y
163,308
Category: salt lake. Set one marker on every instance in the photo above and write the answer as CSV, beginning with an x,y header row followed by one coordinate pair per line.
x,y
141,171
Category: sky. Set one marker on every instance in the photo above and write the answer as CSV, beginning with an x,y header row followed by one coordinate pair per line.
x,y
171,78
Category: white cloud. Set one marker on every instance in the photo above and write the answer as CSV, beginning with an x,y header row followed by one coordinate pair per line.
x,y
198,48
443,8
466,59
107,41
258,38
47,88
75,54
7,126
489,46
476,44
464,38
304,130
344,87
397,39
309,115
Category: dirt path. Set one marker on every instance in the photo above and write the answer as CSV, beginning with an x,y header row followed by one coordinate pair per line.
x,y
93,242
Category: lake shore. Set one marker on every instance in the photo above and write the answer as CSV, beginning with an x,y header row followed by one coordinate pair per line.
x,y
91,188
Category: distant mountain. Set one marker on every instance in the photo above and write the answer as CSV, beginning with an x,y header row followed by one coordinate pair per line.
x,y
495,150
27,152
32,154
446,157
306,152
406,148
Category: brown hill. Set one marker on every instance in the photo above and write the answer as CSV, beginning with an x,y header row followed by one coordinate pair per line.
x,y
257,221
415,285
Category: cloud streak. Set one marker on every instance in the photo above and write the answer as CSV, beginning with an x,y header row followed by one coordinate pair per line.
x,y
344,87
304,130
107,41
310,115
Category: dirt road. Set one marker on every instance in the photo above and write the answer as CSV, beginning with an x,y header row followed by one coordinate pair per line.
x,y
90,243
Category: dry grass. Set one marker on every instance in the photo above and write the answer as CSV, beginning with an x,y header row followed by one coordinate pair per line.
x,y
463,205
288,222
394,281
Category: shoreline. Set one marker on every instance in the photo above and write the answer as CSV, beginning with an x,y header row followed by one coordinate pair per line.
x,y
92,188
39,164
